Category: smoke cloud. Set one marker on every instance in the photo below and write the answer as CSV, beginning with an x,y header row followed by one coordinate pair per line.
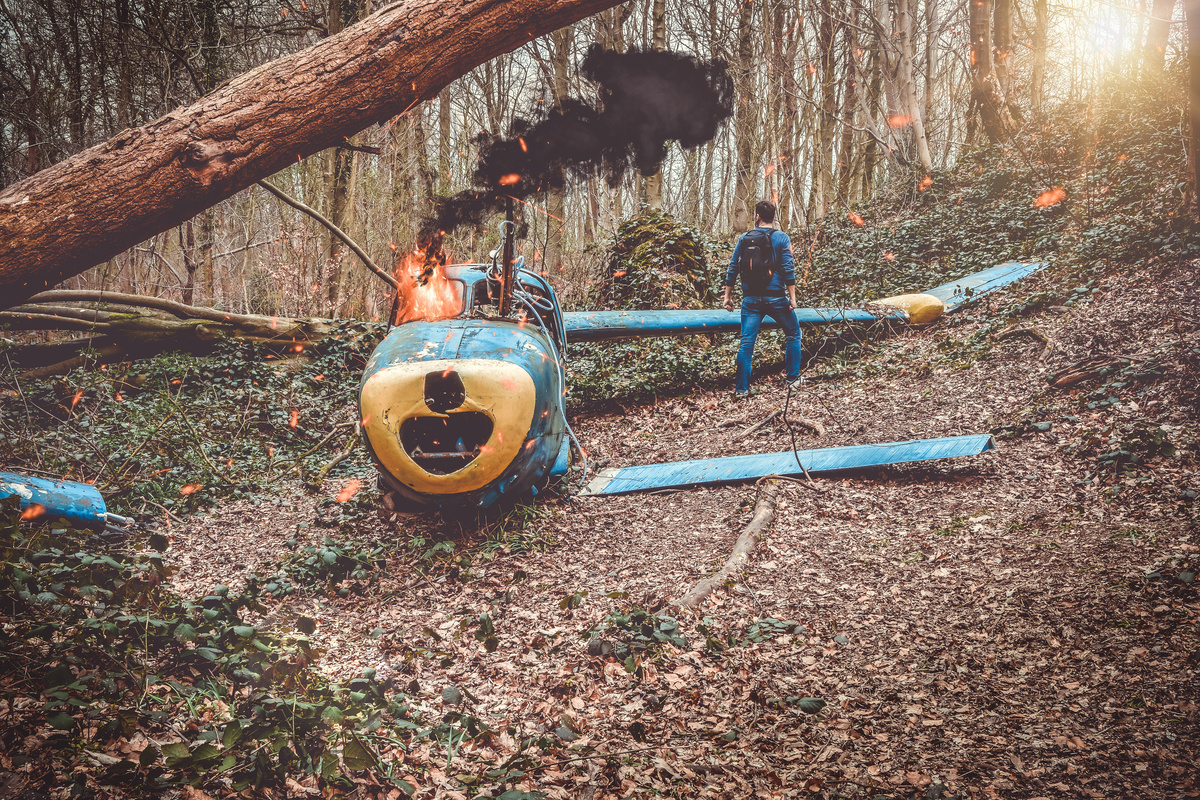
x,y
645,100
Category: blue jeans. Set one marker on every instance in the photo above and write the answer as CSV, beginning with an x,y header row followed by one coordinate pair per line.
x,y
753,311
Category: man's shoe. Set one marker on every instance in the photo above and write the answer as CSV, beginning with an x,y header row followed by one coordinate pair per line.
x,y
794,384
741,395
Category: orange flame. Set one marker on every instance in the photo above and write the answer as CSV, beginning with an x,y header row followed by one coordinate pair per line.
x,y
926,182
857,220
349,490
509,179
1050,197
425,291
35,511
190,488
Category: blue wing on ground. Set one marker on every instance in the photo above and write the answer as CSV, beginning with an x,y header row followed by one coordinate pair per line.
x,y
603,326
743,468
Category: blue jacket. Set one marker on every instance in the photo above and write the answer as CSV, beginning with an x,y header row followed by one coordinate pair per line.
x,y
785,266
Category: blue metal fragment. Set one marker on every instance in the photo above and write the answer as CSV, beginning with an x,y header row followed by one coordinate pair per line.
x,y
743,468
78,503
604,326
969,287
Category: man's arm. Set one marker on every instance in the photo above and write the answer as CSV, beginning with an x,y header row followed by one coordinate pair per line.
x,y
730,276
788,266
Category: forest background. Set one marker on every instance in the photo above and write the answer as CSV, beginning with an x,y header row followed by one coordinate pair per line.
x,y
842,108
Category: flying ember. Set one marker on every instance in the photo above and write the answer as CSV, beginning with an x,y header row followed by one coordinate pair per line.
x,y
1050,197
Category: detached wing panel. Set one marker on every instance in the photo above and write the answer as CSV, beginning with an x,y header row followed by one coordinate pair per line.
x,y
604,326
731,469
969,287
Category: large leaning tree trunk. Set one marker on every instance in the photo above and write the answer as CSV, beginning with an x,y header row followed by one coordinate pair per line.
x,y
81,211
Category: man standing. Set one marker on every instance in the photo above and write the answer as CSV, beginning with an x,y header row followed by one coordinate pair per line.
x,y
763,257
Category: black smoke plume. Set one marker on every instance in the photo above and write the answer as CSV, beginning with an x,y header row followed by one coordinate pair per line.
x,y
645,100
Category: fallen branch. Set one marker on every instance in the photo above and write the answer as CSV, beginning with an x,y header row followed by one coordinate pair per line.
x,y
319,478
1029,330
812,424
743,548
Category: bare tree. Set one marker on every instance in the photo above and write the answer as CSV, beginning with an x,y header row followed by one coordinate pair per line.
x,y
94,205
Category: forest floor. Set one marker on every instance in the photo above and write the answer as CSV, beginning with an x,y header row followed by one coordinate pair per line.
x,y
1017,624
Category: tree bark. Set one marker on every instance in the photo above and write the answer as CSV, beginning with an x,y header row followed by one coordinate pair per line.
x,y
84,210
746,121
1002,23
1191,10
1041,27
908,86
1154,57
652,185
986,96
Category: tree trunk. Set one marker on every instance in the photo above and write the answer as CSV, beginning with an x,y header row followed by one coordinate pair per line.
x,y
652,185
1041,26
827,115
1002,21
986,98
745,123
556,199
849,107
1154,57
1191,10
908,86
104,200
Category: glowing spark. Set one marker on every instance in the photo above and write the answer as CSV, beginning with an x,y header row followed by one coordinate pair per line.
x,y
857,220
1050,197
890,256
542,210
926,182
899,120
529,445
349,490
75,400
1122,157
274,323
769,170
524,147
190,488
119,398
295,420
619,273
34,511
318,377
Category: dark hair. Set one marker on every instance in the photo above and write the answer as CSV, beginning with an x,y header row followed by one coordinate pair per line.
x,y
765,210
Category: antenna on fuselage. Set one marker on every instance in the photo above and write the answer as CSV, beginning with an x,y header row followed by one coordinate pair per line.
x,y
509,231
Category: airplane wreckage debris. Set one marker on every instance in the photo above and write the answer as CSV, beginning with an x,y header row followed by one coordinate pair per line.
x,y
80,504
467,409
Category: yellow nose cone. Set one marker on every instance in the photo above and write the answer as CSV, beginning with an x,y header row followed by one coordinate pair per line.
x,y
922,308
447,426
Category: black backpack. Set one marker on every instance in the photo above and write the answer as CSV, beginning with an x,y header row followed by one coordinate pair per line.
x,y
756,261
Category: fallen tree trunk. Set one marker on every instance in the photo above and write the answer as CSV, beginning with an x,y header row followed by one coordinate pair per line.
x,y
86,209
743,548
131,326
